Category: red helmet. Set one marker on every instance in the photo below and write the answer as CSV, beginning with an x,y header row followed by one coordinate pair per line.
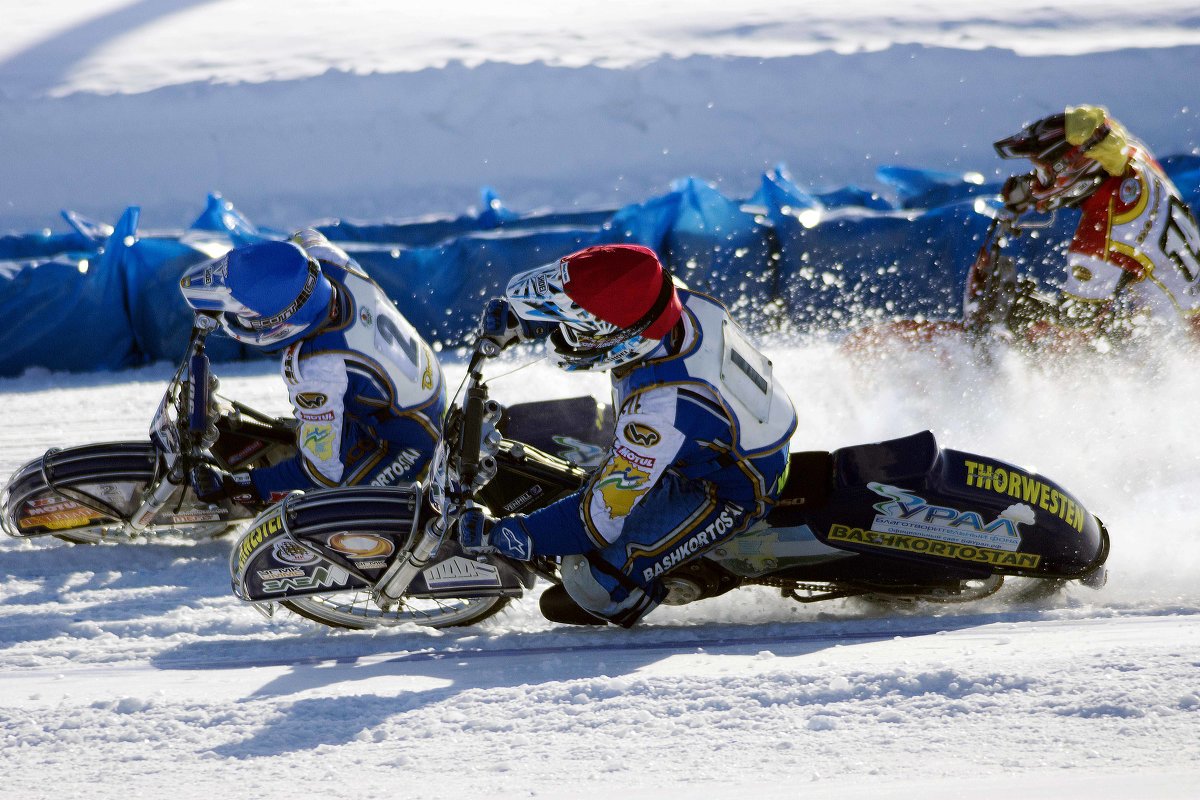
x,y
1063,173
612,305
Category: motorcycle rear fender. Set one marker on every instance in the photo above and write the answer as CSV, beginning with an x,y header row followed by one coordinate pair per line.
x,y
910,499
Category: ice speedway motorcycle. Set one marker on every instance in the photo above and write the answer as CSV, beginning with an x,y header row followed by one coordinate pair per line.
x,y
120,491
999,301
897,520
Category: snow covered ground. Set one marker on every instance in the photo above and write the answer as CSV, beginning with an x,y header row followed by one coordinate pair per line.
x,y
133,672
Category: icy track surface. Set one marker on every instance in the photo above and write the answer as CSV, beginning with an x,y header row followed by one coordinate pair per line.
x,y
131,671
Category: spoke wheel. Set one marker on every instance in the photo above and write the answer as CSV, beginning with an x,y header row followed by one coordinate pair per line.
x,y
357,610
119,534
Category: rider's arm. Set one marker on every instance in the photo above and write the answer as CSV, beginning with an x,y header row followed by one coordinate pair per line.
x,y
318,386
1095,276
646,443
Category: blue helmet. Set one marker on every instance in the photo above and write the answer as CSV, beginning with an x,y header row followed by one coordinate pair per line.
x,y
268,294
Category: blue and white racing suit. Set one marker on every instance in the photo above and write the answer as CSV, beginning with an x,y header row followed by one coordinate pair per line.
x,y
367,391
699,455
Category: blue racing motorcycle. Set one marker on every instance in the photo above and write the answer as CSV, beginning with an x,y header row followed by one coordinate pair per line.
x,y
897,520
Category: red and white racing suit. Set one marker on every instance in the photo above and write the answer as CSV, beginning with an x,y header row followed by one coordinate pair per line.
x,y
1137,243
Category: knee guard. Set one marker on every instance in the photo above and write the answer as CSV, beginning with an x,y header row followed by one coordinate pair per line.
x,y
606,592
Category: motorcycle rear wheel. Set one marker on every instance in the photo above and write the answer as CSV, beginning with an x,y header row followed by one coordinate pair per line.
x,y
356,610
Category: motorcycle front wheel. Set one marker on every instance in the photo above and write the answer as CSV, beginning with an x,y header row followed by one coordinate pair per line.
x,y
356,610
87,494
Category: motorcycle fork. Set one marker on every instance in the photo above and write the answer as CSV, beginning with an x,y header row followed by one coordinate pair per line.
x,y
395,581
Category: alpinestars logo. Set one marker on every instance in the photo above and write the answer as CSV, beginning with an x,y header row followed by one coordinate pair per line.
x,y
512,544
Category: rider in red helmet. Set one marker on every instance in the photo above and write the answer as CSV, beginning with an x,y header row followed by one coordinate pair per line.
x,y
1135,254
700,448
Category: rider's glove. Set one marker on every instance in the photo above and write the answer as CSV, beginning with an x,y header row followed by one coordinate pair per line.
x,y
212,485
501,324
478,535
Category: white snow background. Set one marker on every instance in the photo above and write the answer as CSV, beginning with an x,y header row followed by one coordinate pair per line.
x,y
131,671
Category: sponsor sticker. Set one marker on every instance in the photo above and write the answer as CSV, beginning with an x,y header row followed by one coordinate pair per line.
x,y
932,547
907,513
195,516
57,515
311,400
641,434
621,483
289,551
580,453
398,470
699,541
1027,489
318,440
323,577
526,496
361,545
279,573
259,534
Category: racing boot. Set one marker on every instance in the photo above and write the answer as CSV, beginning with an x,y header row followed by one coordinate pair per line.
x,y
558,606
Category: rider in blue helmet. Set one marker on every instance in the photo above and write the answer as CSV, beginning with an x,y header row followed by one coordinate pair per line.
x,y
366,390
267,294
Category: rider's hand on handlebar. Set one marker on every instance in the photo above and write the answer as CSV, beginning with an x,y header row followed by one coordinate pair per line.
x,y
499,323
477,534
213,485
473,527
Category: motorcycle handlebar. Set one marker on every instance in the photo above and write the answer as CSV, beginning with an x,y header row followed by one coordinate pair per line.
x,y
198,393
475,406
